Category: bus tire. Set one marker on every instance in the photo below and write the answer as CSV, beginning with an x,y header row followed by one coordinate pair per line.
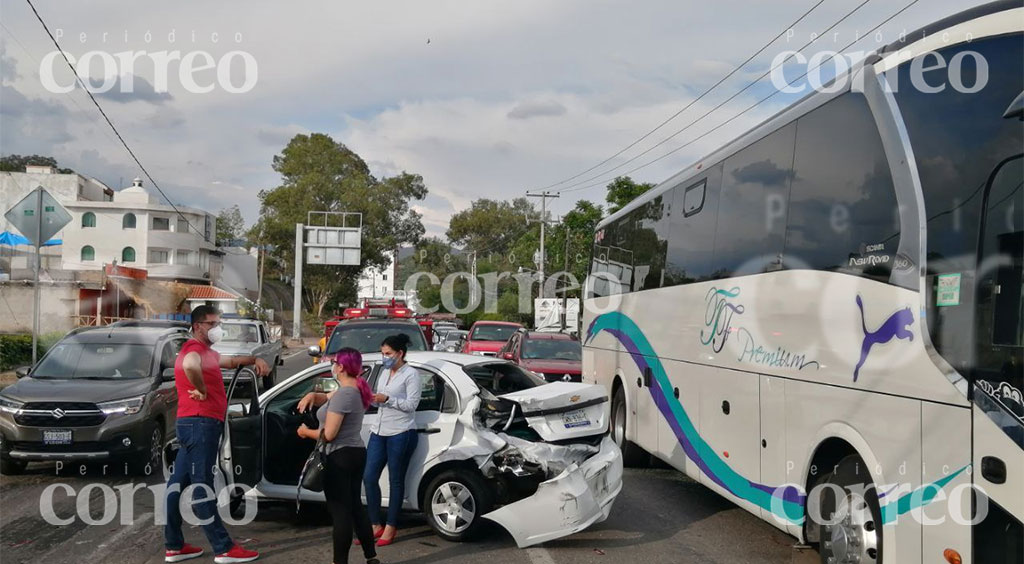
x,y
632,455
857,536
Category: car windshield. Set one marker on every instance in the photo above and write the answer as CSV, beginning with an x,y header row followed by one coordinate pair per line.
x,y
366,338
453,336
492,332
240,333
111,361
500,378
555,349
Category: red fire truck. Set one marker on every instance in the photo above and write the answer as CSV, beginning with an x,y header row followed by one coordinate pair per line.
x,y
393,308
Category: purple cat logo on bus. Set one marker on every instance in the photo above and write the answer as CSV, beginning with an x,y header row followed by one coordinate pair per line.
x,y
896,327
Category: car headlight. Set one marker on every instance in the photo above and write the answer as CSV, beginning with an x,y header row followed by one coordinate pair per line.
x,y
7,405
122,407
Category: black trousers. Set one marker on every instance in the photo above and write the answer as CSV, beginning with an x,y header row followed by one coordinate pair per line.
x,y
342,482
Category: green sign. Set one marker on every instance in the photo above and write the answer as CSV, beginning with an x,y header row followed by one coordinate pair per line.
x,y
947,292
30,213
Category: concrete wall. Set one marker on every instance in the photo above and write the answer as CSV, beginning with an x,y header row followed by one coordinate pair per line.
x,y
57,304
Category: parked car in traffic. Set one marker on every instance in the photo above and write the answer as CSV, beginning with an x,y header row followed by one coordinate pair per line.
x,y
554,356
100,393
366,334
250,337
496,443
487,337
452,341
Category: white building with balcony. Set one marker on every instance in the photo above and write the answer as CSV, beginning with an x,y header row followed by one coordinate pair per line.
x,y
136,230
377,283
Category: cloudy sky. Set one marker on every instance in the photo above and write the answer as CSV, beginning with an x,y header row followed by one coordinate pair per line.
x,y
484,99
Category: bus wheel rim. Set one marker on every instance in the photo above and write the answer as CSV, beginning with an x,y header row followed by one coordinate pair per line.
x,y
854,538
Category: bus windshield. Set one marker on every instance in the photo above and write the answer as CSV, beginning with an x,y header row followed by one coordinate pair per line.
x,y
968,145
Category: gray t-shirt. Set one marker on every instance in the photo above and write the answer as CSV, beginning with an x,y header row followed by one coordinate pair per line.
x,y
348,402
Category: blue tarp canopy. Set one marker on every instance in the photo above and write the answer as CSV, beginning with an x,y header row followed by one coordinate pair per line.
x,y
15,239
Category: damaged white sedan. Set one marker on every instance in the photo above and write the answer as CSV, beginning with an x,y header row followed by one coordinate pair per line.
x,y
496,442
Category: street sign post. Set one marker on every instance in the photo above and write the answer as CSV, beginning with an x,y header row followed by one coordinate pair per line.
x,y
38,216
324,245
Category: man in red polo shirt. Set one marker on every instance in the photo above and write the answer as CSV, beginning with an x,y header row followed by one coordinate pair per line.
x,y
202,405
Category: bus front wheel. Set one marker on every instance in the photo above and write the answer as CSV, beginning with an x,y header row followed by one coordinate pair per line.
x,y
852,524
632,455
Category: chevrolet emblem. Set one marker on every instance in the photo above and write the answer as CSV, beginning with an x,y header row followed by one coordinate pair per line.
x,y
574,399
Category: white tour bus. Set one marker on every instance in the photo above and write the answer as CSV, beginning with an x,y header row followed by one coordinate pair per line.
x,y
823,321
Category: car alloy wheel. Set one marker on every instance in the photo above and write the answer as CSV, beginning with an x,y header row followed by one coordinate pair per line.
x,y
453,507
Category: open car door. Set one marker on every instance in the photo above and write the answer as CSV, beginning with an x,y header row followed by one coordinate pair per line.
x,y
240,456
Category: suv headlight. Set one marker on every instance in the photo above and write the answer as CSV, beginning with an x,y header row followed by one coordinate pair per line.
x,y
122,407
7,405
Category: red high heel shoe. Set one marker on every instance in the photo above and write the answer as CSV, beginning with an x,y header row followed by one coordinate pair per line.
x,y
376,536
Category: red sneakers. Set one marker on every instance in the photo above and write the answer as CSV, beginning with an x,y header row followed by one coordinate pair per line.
x,y
187,552
236,554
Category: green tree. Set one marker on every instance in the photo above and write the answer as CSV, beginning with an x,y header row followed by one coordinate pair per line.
x,y
320,174
17,163
622,191
491,225
230,226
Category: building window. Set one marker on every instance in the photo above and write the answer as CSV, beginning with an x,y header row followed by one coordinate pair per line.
x,y
183,257
128,222
158,257
128,254
182,226
161,224
88,254
88,219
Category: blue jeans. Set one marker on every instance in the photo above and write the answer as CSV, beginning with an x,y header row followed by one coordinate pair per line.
x,y
199,438
395,451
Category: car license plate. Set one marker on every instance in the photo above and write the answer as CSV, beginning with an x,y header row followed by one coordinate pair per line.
x,y
576,418
61,437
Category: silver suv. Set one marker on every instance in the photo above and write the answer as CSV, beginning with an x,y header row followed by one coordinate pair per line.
x,y
100,393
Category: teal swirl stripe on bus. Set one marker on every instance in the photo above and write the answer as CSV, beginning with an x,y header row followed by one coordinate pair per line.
x,y
785,502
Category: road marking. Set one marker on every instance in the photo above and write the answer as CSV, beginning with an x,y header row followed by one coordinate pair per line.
x,y
294,354
539,555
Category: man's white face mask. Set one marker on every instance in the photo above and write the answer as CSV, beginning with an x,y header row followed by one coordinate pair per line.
x,y
215,334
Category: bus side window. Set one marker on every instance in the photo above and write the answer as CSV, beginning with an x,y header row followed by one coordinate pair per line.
x,y
751,229
692,221
843,215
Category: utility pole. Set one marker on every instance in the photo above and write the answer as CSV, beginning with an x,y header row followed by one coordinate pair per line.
x,y
472,285
543,220
35,282
263,260
565,269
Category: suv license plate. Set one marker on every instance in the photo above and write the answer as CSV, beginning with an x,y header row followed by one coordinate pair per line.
x,y
576,418
62,437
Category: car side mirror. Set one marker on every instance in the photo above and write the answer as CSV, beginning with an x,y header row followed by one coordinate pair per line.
x,y
167,375
22,371
237,410
313,351
508,356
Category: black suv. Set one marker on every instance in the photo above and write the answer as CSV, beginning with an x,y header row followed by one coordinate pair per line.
x,y
100,393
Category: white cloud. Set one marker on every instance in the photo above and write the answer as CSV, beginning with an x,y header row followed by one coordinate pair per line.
x,y
591,76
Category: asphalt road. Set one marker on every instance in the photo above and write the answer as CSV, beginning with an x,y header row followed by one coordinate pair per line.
x,y
660,517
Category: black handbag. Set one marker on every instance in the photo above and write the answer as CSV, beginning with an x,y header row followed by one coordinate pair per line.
x,y
312,477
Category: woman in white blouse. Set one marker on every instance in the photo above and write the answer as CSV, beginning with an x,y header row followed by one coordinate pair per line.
x,y
393,435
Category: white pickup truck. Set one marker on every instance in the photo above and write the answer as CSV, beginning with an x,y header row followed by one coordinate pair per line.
x,y
250,337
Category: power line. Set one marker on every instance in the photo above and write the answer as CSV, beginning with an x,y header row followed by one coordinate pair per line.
x,y
724,102
81,83
752,106
692,102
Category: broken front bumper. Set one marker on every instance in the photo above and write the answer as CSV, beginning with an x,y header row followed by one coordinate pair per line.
x,y
568,503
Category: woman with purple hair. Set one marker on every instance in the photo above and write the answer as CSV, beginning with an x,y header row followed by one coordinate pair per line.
x,y
341,419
